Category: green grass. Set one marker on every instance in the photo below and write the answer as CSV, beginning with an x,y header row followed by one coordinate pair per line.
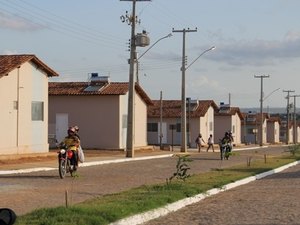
x,y
110,208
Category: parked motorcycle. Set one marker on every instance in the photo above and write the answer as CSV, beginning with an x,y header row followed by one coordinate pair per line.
x,y
65,162
225,150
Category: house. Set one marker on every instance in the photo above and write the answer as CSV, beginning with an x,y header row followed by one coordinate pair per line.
x,y
99,107
228,118
273,130
251,127
167,115
24,104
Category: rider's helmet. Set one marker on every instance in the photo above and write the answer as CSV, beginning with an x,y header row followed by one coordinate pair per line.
x,y
71,130
76,128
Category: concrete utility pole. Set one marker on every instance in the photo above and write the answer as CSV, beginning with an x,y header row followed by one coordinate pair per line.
x,y
287,116
295,133
183,103
261,107
160,123
131,20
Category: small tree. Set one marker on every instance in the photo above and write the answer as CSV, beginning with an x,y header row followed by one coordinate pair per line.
x,y
181,168
294,149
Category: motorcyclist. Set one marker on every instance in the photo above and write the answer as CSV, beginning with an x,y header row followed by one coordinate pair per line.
x,y
228,139
72,143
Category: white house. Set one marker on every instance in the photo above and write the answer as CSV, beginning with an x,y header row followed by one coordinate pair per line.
x,y
99,108
228,118
24,104
200,119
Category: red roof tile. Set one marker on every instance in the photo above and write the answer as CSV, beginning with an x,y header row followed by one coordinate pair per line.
x,y
231,111
172,108
79,88
10,62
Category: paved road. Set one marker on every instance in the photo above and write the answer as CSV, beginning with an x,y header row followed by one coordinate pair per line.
x,y
26,192
272,200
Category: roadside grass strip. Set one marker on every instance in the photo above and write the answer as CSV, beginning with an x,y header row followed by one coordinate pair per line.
x,y
156,213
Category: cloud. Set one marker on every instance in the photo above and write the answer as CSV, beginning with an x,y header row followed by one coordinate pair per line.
x,y
9,52
13,22
258,52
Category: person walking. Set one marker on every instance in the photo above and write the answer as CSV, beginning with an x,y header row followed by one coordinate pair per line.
x,y
199,141
210,143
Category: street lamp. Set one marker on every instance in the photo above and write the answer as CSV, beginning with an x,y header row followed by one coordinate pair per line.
x,y
261,107
183,99
137,61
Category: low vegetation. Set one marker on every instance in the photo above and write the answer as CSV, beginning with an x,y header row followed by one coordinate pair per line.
x,y
113,207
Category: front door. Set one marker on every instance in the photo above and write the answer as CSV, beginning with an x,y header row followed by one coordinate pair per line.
x,y
61,126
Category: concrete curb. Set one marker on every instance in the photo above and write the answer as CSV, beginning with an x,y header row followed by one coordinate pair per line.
x,y
153,214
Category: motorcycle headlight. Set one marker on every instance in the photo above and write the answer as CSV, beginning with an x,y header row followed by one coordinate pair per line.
x,y
62,151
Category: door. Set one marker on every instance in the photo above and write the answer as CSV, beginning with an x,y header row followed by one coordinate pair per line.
x,y
61,126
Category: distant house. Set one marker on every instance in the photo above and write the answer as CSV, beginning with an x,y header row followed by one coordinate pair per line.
x,y
228,118
273,130
24,104
251,127
99,108
200,119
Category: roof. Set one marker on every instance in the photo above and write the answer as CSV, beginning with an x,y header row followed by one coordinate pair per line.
x,y
254,119
172,108
274,119
80,88
10,62
230,111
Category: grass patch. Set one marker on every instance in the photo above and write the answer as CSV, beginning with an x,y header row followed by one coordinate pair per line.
x,y
113,207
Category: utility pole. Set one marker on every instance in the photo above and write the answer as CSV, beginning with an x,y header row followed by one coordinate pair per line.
x,y
131,20
160,126
183,103
287,115
295,133
261,107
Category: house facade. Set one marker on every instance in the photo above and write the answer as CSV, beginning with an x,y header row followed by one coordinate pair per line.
x,y
24,104
165,117
273,130
99,108
251,127
228,119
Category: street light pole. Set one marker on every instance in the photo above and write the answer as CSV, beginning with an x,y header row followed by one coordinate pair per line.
x,y
261,107
183,104
295,133
288,116
131,89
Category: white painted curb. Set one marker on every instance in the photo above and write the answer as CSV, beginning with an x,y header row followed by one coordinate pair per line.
x,y
153,214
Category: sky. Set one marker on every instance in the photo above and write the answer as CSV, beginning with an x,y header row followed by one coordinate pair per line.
x,y
252,38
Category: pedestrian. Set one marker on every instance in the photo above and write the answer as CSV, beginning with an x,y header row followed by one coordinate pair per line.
x,y
199,141
210,143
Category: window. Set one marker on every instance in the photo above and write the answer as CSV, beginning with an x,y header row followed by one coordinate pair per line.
x,y
37,111
152,127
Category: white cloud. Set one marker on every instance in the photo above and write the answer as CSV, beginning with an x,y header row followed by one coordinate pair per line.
x,y
258,52
13,22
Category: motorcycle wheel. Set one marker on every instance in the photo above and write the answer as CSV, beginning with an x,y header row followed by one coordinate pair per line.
x,y
62,168
222,154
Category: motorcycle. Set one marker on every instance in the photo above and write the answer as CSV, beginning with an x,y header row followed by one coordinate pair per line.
x,y
66,162
225,150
